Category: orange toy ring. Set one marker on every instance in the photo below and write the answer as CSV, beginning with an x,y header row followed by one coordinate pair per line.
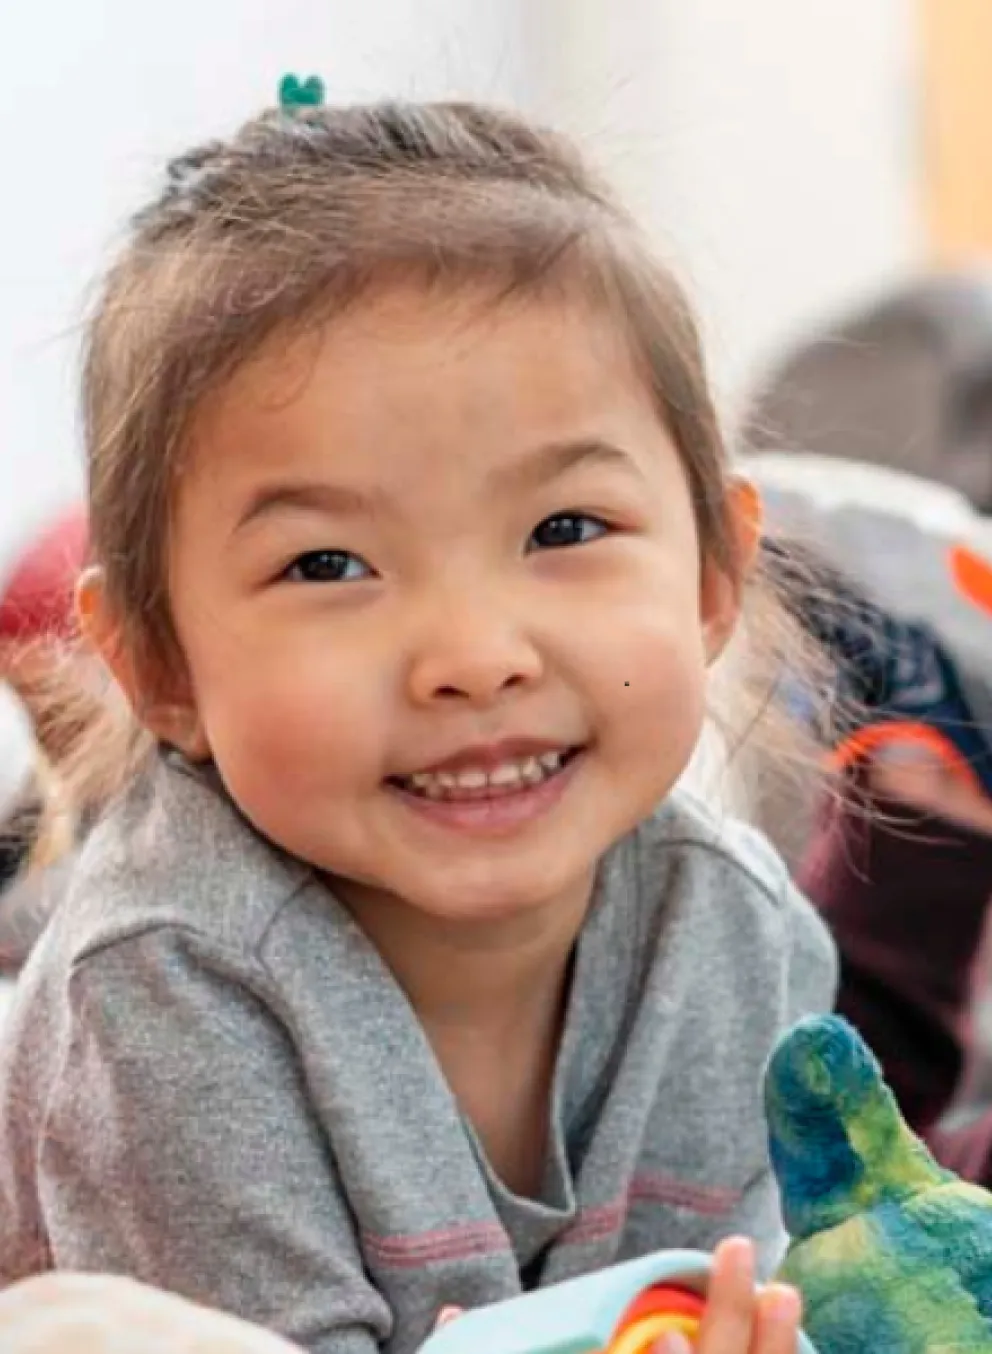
x,y
663,1298
657,1310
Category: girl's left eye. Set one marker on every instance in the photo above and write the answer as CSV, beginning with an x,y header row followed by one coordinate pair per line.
x,y
326,566
567,528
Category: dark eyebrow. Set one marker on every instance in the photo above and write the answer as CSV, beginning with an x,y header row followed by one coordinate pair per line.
x,y
529,472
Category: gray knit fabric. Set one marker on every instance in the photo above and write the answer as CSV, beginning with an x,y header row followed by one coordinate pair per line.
x,y
210,1082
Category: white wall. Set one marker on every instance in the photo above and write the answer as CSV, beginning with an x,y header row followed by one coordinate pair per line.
x,y
94,94
794,160
772,144
768,142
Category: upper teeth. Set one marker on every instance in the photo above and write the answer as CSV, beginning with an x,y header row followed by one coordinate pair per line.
x,y
525,771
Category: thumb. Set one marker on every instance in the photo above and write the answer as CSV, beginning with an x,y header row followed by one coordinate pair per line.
x,y
447,1314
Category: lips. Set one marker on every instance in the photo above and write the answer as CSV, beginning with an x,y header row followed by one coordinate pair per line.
x,y
489,804
488,771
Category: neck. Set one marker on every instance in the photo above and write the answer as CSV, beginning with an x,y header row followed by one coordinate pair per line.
x,y
491,998
494,977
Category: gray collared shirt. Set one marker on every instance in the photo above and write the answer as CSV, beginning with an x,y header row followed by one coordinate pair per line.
x,y
210,1081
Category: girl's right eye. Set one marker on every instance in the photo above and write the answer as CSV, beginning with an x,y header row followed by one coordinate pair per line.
x,y
326,566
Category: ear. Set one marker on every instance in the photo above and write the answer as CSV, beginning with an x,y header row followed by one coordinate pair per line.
x,y
161,702
721,589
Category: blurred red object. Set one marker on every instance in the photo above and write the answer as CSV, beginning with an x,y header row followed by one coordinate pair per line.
x,y
36,598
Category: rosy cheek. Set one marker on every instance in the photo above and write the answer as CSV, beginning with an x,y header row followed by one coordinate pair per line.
x,y
303,725
653,644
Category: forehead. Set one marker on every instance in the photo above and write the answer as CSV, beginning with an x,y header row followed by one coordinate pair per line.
x,y
406,378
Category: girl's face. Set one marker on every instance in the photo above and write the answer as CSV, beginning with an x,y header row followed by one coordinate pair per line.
x,y
437,581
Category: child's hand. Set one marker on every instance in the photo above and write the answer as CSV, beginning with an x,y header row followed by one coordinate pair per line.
x,y
740,1319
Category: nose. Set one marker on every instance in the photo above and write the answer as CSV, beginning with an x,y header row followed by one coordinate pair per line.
x,y
472,651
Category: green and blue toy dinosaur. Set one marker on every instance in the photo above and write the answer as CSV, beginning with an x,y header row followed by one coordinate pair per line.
x,y
891,1253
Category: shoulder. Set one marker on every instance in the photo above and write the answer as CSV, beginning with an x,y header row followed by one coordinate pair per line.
x,y
710,953
176,905
174,856
719,882
157,947
715,849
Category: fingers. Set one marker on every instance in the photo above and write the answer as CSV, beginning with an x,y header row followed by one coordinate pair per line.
x,y
728,1322
739,1318
779,1313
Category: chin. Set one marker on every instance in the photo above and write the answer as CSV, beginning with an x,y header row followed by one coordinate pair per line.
x,y
498,908
467,898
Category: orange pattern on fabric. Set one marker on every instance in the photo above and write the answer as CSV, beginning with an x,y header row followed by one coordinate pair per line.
x,y
972,576
865,742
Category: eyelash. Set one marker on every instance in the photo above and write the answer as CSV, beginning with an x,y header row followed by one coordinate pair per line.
x,y
323,557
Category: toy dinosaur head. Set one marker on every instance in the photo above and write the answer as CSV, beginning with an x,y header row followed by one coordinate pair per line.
x,y
889,1251
838,1143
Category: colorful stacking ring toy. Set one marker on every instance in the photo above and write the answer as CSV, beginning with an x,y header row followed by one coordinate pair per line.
x,y
620,1310
659,1309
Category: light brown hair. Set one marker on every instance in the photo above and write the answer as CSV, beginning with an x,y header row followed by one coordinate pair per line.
x,y
286,225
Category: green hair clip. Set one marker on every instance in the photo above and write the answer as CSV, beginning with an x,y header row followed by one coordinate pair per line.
x,y
297,93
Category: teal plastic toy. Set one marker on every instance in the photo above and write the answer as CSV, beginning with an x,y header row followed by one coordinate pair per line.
x,y
620,1310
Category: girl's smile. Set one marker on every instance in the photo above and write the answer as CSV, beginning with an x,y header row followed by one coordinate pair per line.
x,y
492,791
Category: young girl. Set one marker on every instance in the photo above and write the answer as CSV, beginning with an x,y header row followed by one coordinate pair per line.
x,y
400,976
